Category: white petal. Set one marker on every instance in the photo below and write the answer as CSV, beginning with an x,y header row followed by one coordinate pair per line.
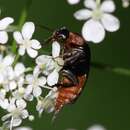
x,y
93,31
10,72
8,60
3,37
19,69
35,44
24,114
1,57
28,89
36,71
28,97
110,22
1,78
72,2
55,49
91,4
37,91
18,37
28,30
12,85
5,117
29,78
43,59
32,53
96,127
52,79
21,104
108,6
17,122
42,81
4,103
23,128
83,14
5,22
21,50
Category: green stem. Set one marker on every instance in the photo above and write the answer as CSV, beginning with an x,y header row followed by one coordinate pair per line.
x,y
23,18
117,70
98,2
16,59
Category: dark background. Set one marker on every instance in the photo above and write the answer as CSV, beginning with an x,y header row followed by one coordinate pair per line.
x,y
106,97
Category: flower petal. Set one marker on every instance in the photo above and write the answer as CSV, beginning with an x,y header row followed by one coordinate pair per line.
x,y
19,69
8,60
91,4
43,59
37,91
28,90
93,31
55,49
52,79
72,2
28,30
21,104
17,122
29,78
32,53
18,37
24,114
3,37
12,85
83,14
23,128
36,71
42,81
96,127
110,22
108,6
21,50
35,44
4,23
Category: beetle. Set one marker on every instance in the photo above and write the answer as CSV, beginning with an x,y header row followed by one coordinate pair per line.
x,y
74,74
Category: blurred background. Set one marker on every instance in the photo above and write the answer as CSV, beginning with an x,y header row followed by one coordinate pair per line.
x,y
106,97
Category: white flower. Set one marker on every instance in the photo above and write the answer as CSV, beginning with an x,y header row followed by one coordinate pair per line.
x,y
4,23
14,77
17,112
34,84
48,103
72,2
96,127
2,93
4,64
22,93
4,103
23,128
98,19
51,65
125,3
25,42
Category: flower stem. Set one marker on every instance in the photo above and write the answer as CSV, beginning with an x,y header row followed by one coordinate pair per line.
x,y
98,2
16,59
117,70
11,123
22,19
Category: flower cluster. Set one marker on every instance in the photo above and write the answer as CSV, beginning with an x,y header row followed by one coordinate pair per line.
x,y
19,83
